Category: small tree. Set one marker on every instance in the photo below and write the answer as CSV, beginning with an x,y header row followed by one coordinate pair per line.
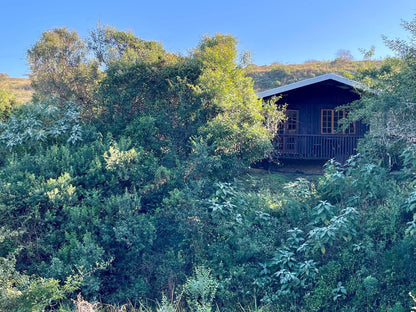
x,y
344,55
61,68
236,128
200,290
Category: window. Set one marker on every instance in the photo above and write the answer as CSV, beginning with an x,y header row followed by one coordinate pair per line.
x,y
291,125
330,122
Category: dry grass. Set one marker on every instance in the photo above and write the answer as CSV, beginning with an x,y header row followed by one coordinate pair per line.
x,y
277,74
19,87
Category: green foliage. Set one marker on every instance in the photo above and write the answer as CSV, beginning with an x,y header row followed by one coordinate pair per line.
x,y
166,306
273,117
339,292
328,290
7,102
62,186
20,292
236,133
398,307
31,125
200,290
357,182
293,268
111,45
370,285
389,108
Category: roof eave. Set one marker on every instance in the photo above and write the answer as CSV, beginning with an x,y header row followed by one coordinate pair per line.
x,y
307,82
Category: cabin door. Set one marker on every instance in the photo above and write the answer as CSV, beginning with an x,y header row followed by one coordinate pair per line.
x,y
289,133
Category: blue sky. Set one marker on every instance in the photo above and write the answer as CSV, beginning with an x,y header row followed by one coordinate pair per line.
x,y
291,31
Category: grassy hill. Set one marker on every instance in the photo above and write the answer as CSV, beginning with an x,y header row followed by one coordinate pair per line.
x,y
265,77
20,87
276,75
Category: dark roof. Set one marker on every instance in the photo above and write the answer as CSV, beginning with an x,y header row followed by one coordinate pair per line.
x,y
308,82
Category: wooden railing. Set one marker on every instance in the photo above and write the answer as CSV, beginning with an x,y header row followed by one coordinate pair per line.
x,y
308,146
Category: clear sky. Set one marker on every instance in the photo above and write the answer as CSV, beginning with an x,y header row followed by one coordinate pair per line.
x,y
291,31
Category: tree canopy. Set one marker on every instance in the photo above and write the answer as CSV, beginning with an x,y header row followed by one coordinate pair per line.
x,y
389,108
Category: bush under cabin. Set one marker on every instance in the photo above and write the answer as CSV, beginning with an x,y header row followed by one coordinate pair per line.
x,y
313,129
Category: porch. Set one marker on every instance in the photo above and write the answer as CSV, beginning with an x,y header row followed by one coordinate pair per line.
x,y
311,146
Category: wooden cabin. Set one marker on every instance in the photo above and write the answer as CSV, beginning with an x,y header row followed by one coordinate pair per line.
x,y
312,130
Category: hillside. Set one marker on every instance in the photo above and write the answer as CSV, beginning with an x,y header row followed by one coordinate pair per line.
x,y
20,87
265,76
277,74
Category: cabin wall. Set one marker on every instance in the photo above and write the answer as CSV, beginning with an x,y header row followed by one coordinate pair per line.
x,y
312,99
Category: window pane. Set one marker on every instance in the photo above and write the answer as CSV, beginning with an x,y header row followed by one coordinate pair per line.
x,y
330,120
337,116
291,124
292,121
350,129
326,121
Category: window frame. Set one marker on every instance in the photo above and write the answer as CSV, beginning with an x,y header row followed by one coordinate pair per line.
x,y
330,122
288,123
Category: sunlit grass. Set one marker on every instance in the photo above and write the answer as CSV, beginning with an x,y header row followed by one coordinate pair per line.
x,y
20,87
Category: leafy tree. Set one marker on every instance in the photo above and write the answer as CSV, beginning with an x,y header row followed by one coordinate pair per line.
x,y
235,133
60,67
110,45
189,101
344,55
389,107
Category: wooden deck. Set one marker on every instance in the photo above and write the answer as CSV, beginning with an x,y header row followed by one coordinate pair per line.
x,y
308,146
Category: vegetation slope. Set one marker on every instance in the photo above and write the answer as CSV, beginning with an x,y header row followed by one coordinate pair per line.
x,y
125,184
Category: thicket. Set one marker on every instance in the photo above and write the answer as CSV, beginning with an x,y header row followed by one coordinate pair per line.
x,y
125,184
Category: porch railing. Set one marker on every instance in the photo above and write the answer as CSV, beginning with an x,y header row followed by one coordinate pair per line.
x,y
309,146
